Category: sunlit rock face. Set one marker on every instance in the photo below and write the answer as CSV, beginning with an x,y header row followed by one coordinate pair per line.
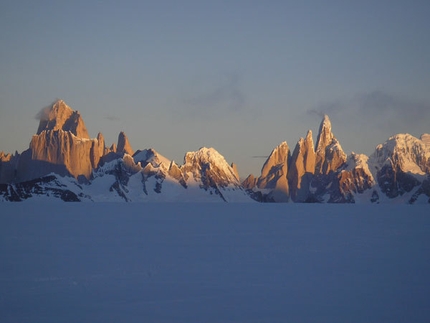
x,y
274,174
250,182
61,117
235,170
61,146
425,138
302,168
329,153
97,150
123,146
61,157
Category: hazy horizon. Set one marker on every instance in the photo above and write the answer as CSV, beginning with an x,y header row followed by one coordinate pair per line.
x,y
238,76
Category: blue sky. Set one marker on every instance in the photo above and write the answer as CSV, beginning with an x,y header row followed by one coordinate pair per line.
x,y
239,76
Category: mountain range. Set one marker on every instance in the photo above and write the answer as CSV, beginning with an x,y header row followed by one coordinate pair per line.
x,y
63,162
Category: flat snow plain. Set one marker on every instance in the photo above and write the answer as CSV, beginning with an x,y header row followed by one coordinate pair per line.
x,y
118,262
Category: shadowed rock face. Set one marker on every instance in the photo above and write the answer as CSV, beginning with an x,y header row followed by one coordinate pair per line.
x,y
45,186
8,165
401,163
356,178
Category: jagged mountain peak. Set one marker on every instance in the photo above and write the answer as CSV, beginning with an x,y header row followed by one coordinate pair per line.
x,y
329,153
205,154
279,153
302,167
325,134
209,165
274,173
278,156
59,116
153,157
399,168
405,151
402,167
250,182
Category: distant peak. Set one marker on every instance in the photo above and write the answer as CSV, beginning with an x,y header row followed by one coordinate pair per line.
x,y
325,134
59,116
204,151
325,123
123,145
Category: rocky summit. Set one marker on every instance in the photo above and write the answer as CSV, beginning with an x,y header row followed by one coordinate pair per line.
x,y
63,162
398,171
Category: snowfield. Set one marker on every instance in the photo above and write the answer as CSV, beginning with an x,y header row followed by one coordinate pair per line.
x,y
135,262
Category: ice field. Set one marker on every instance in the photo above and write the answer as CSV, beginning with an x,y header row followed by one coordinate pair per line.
x,y
119,262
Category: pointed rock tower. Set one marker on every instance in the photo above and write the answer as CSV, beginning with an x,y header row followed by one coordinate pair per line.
x,y
329,153
250,182
302,168
274,174
123,146
61,145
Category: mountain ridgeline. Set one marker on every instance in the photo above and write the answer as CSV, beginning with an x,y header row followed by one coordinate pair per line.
x,y
63,162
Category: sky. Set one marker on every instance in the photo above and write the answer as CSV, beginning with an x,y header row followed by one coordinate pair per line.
x,y
239,76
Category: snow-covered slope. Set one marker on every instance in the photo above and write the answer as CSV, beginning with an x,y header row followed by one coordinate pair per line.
x,y
405,152
401,167
145,177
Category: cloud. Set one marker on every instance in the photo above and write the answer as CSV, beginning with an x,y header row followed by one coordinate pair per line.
x,y
111,117
378,108
43,114
226,96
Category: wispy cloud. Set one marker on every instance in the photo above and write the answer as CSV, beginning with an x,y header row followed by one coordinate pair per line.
x,y
226,96
111,117
378,108
43,114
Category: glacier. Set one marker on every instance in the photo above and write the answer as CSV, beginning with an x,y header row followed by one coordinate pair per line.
x,y
199,262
